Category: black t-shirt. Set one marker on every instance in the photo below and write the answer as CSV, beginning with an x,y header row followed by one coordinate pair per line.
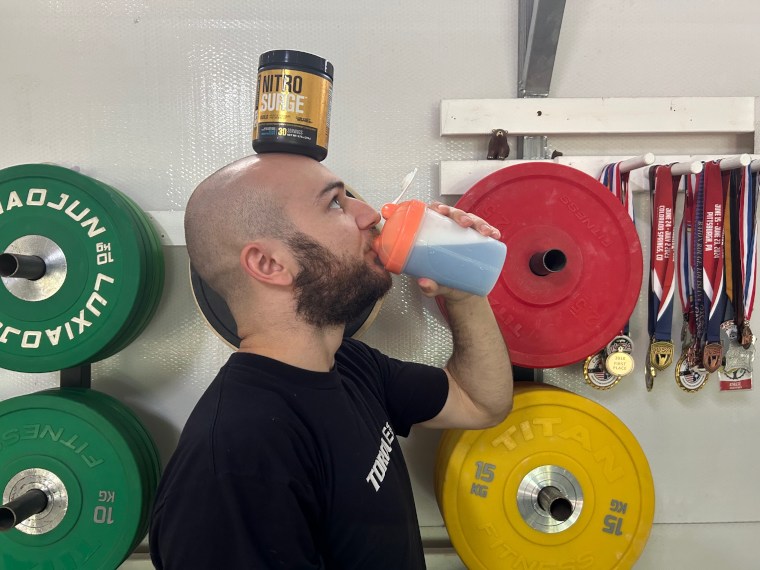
x,y
280,467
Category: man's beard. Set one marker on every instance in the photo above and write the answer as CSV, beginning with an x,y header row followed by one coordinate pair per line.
x,y
331,291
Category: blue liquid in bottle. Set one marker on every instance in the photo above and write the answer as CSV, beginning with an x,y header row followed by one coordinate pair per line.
x,y
471,267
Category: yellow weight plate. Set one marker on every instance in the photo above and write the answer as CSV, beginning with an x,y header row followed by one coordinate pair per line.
x,y
561,483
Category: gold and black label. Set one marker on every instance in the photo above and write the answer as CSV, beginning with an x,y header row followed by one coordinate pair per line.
x,y
661,354
292,106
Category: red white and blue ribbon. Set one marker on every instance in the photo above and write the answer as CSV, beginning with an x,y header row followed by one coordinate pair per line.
x,y
685,259
748,236
713,280
617,183
662,253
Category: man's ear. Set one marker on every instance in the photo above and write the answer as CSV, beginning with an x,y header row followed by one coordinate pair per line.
x,y
267,262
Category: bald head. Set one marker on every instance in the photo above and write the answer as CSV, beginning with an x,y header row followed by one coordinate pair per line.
x,y
241,202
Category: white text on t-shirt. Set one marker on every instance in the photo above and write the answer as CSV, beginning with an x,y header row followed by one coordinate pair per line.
x,y
380,466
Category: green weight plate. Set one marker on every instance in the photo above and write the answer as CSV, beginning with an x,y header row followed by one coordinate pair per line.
x,y
137,319
129,420
154,287
82,396
121,340
71,315
157,268
135,433
118,411
85,448
134,423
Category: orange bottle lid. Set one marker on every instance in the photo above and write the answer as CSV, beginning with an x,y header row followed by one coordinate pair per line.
x,y
396,239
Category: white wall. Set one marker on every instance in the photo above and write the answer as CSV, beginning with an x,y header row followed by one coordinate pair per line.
x,y
151,96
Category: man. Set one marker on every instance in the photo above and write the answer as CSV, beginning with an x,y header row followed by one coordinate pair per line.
x,y
290,458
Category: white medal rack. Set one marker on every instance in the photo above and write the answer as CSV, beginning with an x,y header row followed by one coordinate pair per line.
x,y
595,116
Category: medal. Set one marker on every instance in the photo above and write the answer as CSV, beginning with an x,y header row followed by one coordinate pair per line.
x,y
747,338
688,378
738,359
619,363
649,372
740,237
712,356
595,373
661,354
619,358
620,342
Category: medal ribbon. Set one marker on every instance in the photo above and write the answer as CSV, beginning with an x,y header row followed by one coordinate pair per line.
x,y
748,236
732,248
685,258
740,239
696,186
617,183
662,256
712,254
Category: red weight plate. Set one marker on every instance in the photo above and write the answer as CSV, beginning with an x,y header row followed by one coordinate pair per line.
x,y
560,318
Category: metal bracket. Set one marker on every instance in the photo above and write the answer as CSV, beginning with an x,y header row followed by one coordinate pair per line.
x,y
540,22
77,377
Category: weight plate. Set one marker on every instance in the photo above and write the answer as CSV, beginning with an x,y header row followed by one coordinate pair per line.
x,y
491,487
88,449
215,311
594,261
105,268
154,279
136,316
132,440
135,433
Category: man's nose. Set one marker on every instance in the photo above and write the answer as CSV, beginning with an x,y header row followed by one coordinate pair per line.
x,y
366,216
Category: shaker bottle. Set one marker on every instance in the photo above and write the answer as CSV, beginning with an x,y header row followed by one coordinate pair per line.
x,y
420,242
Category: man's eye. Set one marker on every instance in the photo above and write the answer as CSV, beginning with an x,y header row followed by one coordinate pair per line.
x,y
335,204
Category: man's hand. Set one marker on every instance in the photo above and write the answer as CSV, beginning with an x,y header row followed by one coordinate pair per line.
x,y
466,220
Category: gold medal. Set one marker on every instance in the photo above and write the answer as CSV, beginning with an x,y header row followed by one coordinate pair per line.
x,y
649,371
619,363
688,378
712,356
661,354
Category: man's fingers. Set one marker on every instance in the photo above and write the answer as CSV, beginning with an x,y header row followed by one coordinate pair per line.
x,y
466,220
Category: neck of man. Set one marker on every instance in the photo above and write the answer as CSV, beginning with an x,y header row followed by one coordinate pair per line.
x,y
298,344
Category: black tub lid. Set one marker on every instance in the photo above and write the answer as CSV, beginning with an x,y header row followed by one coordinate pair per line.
x,y
296,58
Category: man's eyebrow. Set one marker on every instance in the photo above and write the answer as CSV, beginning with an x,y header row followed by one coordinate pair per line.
x,y
329,188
